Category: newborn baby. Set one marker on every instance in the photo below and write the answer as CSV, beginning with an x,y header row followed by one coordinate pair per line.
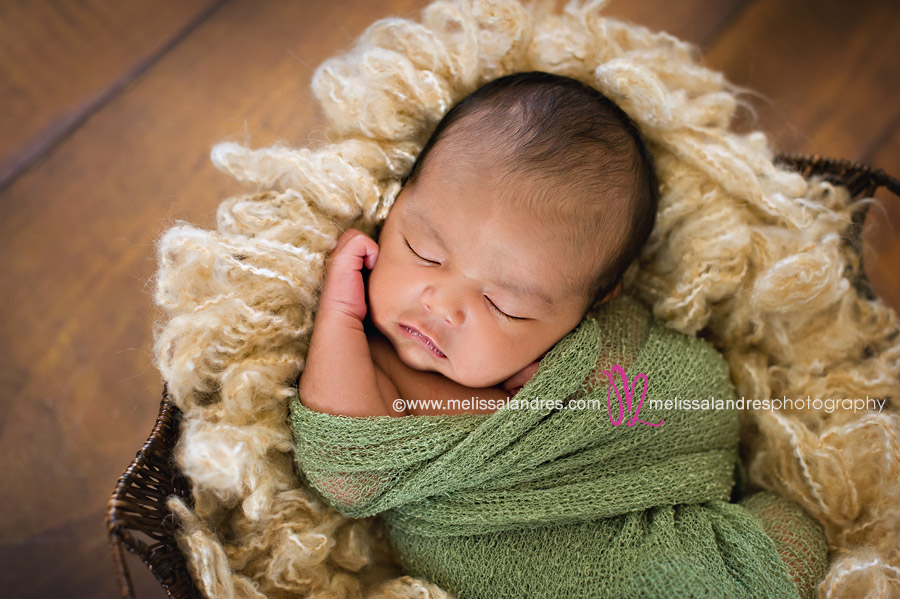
x,y
517,221
522,211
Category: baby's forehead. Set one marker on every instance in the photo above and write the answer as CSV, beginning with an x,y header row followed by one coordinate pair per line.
x,y
491,129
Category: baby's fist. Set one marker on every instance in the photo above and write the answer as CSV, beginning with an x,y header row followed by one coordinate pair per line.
x,y
352,246
344,288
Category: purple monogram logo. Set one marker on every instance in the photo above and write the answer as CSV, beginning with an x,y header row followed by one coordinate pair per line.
x,y
628,390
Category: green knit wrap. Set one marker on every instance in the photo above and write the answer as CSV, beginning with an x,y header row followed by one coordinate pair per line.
x,y
550,502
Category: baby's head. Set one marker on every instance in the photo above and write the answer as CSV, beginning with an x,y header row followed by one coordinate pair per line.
x,y
522,211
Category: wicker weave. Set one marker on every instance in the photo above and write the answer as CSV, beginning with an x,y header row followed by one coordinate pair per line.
x,y
137,517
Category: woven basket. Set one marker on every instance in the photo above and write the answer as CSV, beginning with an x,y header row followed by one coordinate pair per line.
x,y
137,517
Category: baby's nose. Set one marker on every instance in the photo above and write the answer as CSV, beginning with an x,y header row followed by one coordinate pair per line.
x,y
443,305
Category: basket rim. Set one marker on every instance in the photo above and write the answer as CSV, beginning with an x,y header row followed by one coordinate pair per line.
x,y
137,506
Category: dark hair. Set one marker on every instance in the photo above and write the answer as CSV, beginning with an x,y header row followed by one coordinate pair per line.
x,y
562,126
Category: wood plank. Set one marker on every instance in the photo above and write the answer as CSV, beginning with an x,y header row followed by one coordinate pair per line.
x,y
881,232
697,21
59,61
31,568
828,71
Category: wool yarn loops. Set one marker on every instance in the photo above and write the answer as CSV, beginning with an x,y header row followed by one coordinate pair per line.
x,y
745,252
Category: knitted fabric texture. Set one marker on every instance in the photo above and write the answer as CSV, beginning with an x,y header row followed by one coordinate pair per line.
x,y
798,538
549,502
745,252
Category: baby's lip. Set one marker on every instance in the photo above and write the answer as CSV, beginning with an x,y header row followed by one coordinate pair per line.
x,y
424,337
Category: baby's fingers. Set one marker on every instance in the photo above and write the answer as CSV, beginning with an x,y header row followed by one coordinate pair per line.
x,y
354,250
344,288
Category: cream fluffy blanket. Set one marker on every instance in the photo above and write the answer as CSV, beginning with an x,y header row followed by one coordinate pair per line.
x,y
743,252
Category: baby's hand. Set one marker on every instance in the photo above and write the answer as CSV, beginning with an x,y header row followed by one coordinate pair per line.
x,y
344,288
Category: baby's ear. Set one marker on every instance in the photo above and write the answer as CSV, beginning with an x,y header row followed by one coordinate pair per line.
x,y
614,293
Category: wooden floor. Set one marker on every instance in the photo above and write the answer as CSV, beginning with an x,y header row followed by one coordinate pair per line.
x,y
108,110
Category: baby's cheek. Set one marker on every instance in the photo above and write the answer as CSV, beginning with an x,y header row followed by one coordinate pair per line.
x,y
507,357
377,297
480,368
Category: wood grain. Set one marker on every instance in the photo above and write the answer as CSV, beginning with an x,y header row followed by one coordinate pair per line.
x,y
881,232
80,224
825,73
60,62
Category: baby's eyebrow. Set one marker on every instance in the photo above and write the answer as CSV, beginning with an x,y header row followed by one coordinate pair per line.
x,y
526,290
423,222
512,286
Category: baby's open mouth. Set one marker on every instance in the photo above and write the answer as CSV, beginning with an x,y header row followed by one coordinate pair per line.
x,y
424,339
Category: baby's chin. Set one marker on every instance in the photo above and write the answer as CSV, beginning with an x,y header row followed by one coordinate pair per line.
x,y
446,368
476,382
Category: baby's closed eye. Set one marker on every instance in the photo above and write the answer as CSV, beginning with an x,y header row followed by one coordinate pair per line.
x,y
491,304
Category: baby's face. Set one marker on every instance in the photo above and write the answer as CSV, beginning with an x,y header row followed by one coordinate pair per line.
x,y
489,289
